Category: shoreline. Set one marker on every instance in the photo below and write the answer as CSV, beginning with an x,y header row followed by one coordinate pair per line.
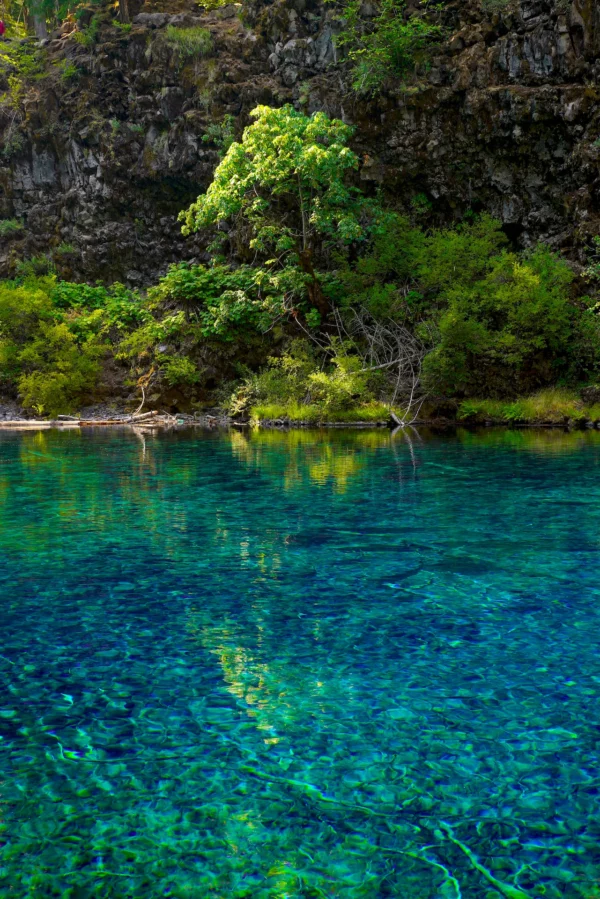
x,y
104,415
155,421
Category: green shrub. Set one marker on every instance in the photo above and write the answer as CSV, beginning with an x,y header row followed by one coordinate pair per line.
x,y
421,205
68,70
190,42
65,249
97,310
507,332
180,372
222,300
56,369
39,354
404,273
461,255
213,4
54,334
21,310
342,386
10,227
308,386
67,295
393,44
283,380
35,267
25,58
195,313
221,134
13,143
88,37
383,278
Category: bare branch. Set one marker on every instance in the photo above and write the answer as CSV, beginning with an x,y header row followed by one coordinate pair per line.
x,y
387,346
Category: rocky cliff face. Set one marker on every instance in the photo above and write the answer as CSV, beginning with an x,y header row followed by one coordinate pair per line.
x,y
103,150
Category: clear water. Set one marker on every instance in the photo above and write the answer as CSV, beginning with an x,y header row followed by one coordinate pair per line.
x,y
299,665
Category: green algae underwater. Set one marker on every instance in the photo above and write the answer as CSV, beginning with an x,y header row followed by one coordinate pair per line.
x,y
304,664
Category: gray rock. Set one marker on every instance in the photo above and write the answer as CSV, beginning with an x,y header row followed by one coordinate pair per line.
x,y
591,395
289,75
229,11
151,19
185,20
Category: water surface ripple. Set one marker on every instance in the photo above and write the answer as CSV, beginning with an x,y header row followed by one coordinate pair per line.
x,y
299,665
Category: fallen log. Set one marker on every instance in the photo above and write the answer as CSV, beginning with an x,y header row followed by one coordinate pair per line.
x,y
93,422
154,423
33,423
131,419
146,419
141,417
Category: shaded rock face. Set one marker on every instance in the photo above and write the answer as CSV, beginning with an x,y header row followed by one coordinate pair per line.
x,y
506,120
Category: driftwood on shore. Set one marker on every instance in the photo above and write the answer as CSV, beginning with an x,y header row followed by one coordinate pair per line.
x,y
132,419
153,419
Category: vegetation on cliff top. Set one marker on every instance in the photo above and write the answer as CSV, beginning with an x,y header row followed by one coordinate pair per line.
x,y
318,302
392,45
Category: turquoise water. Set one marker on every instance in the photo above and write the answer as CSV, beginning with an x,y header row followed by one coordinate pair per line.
x,y
299,665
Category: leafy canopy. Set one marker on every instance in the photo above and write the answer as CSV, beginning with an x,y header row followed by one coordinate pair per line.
x,y
195,312
220,300
284,187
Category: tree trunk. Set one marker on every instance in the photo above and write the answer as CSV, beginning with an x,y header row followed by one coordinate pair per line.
x,y
315,291
124,16
39,25
35,19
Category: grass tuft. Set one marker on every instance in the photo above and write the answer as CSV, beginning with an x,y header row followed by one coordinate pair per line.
x,y
190,42
316,414
550,406
8,227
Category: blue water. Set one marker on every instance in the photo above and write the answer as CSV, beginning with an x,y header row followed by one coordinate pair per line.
x,y
300,665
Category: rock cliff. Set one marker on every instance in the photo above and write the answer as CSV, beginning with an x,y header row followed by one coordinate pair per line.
x,y
103,147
